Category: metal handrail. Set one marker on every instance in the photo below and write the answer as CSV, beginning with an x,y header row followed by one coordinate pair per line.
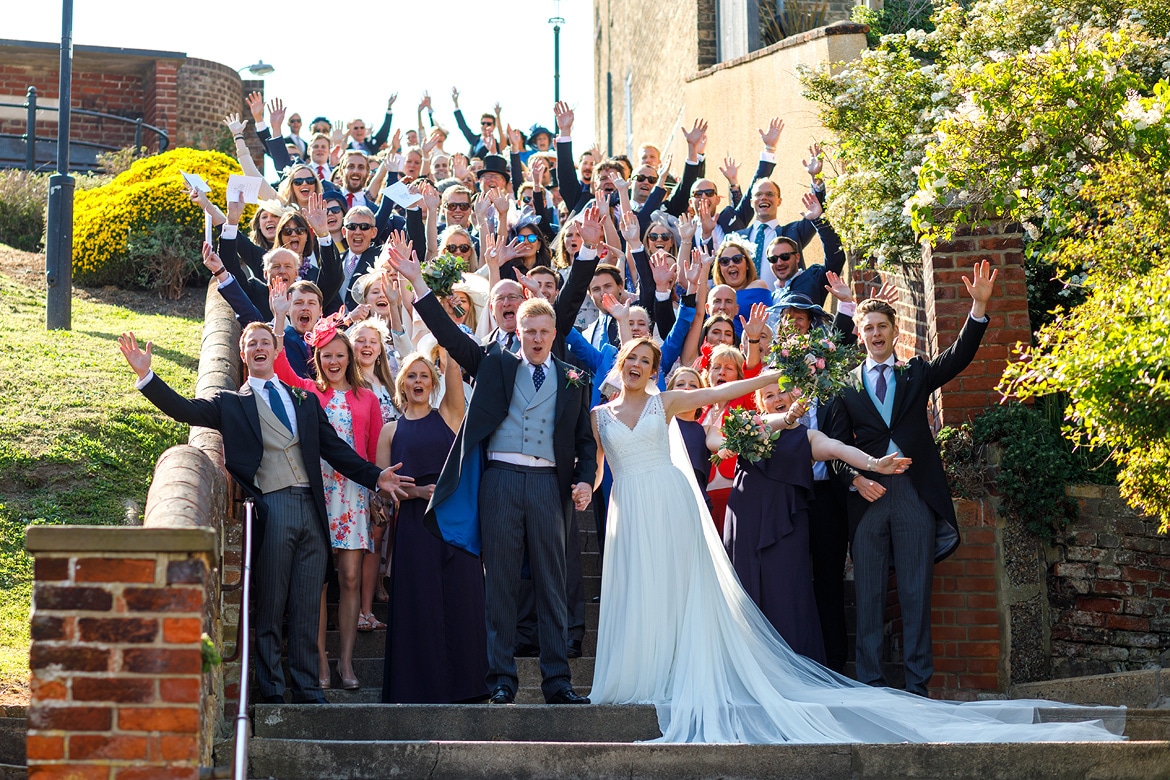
x,y
30,137
241,754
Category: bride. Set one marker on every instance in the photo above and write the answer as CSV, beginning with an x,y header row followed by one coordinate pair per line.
x,y
678,631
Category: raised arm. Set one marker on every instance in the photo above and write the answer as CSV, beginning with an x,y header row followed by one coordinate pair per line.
x,y
204,412
466,351
702,260
675,401
244,156
825,448
452,406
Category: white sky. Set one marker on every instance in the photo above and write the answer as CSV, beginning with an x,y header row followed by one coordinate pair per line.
x,y
492,51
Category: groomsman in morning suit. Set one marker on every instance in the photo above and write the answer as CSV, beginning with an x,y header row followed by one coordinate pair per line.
x,y
883,409
274,438
520,463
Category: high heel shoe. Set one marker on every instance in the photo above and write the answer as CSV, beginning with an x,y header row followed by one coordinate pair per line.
x,y
350,684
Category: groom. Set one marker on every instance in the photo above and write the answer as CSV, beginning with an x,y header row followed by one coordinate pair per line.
x,y
524,454
883,409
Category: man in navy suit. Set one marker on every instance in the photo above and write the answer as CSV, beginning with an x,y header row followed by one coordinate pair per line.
x,y
274,454
883,409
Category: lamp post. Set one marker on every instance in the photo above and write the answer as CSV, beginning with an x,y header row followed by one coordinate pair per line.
x,y
556,21
59,232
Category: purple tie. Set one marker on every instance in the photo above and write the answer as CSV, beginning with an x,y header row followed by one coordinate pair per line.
x,y
879,388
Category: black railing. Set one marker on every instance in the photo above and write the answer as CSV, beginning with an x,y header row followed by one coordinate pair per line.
x,y
8,154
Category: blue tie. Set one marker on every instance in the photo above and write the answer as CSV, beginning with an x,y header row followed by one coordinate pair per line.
x,y
538,376
761,230
879,387
277,404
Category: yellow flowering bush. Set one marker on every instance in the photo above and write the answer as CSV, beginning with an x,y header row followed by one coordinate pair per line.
x,y
107,220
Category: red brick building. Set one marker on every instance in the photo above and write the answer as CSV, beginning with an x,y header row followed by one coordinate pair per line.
x,y
131,84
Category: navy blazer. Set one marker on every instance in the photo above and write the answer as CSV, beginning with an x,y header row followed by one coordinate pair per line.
x,y
855,420
235,416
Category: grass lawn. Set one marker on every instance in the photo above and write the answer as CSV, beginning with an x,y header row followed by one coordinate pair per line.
x,y
77,443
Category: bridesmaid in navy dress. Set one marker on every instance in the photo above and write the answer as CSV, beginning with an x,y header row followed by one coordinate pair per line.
x,y
693,433
436,645
767,525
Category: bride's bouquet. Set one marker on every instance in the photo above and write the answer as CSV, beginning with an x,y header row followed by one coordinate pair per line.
x,y
443,273
747,435
815,362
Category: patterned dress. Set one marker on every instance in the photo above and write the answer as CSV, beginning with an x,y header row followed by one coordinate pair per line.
x,y
347,502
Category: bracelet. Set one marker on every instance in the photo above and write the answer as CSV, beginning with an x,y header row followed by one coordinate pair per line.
x,y
869,463
238,137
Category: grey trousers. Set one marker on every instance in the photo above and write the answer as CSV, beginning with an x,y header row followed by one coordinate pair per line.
x,y
519,506
289,569
899,522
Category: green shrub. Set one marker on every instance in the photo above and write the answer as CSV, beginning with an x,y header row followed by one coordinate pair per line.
x,y
23,196
130,210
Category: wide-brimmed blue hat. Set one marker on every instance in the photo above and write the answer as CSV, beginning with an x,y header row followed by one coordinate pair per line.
x,y
797,300
536,130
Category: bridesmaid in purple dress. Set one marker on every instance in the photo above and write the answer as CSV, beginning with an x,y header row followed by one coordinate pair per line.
x,y
767,525
436,645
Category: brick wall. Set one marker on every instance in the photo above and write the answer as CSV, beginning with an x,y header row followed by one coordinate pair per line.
x,y
120,94
116,680
1108,589
161,100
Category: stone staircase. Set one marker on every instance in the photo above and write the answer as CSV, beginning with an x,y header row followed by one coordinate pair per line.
x,y
356,737
13,726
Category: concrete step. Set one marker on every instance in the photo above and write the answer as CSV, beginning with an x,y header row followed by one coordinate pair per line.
x,y
12,738
464,722
294,759
13,772
370,694
1144,688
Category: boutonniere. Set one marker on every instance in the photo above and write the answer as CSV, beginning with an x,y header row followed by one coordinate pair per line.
x,y
900,367
298,395
575,377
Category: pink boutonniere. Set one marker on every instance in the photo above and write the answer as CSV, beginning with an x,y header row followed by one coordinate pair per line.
x,y
574,377
900,366
298,395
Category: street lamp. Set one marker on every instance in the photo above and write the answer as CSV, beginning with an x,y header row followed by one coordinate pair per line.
x,y
556,22
261,68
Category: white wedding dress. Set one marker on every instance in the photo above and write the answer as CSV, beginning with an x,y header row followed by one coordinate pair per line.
x,y
678,631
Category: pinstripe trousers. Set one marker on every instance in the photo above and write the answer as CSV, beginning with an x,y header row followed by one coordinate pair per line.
x,y
899,522
521,506
289,570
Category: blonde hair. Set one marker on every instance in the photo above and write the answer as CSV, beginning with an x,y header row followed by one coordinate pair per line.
x,y
285,193
400,380
729,352
696,373
535,307
633,344
382,362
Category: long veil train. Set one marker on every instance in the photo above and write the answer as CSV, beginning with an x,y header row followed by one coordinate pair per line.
x,y
734,679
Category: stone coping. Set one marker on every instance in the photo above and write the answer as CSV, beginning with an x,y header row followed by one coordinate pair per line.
x,y
836,28
118,539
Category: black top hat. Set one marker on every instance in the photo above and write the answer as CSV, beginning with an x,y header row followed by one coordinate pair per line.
x,y
493,163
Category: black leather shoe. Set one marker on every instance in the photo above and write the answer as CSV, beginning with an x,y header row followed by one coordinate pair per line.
x,y
273,699
574,648
567,696
525,650
502,695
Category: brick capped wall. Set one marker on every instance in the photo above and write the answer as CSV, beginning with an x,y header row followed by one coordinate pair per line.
x,y
116,662
933,304
1108,589
120,94
209,92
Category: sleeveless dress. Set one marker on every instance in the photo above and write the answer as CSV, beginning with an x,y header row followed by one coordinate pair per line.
x,y
766,537
347,502
436,643
678,631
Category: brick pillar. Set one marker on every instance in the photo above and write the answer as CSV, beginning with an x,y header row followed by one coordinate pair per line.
x,y
964,609
161,96
947,306
117,690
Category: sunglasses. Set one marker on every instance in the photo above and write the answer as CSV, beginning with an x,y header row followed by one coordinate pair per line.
x,y
461,249
525,198
703,193
304,180
651,179
531,238
732,260
358,127
358,226
783,256
458,206
334,209
293,231
658,237
486,123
